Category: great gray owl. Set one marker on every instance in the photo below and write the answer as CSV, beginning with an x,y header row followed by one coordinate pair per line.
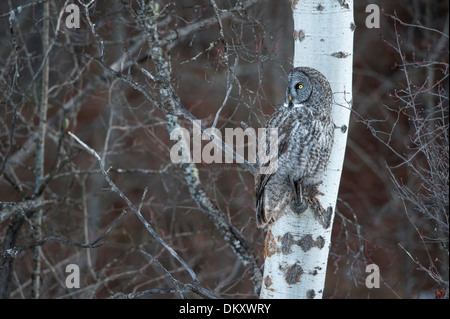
x,y
305,137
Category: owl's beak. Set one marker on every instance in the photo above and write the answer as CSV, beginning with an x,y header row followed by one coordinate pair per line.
x,y
290,97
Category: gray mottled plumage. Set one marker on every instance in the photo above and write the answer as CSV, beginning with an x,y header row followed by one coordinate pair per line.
x,y
305,138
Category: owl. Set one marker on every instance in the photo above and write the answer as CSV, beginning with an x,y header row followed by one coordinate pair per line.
x,y
305,138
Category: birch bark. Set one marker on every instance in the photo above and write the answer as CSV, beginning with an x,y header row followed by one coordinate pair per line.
x,y
297,247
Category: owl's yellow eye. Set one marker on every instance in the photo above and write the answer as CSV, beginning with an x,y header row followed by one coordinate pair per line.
x,y
299,86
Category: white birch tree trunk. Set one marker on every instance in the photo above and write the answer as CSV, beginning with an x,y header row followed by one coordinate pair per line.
x,y
297,247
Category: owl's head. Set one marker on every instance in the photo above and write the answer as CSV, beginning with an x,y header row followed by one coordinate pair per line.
x,y
308,87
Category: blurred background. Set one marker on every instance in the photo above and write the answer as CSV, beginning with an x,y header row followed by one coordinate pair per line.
x,y
206,56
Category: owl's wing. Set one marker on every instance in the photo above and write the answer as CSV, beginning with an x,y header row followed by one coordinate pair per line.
x,y
262,179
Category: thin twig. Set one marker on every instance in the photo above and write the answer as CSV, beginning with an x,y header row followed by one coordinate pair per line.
x,y
116,190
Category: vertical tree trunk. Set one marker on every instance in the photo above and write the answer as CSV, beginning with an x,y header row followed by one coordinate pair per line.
x,y
297,247
40,153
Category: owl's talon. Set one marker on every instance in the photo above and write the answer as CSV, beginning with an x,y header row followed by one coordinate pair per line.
x,y
299,207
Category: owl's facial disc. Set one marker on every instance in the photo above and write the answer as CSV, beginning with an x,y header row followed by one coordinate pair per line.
x,y
299,89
